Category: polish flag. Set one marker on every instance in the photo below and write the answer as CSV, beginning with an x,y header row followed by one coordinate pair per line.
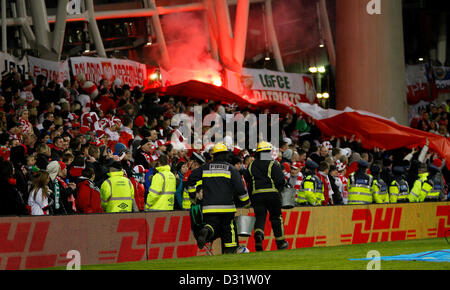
x,y
373,130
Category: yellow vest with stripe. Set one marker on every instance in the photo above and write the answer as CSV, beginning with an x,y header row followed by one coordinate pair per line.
x,y
422,189
380,193
186,203
398,192
311,191
360,189
161,193
117,193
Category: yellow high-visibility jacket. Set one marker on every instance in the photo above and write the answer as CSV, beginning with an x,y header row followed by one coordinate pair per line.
x,y
117,193
161,193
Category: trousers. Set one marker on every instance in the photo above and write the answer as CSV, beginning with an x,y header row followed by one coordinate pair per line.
x,y
223,226
268,203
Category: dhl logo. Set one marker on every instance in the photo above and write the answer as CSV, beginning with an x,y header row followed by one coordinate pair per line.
x,y
295,230
379,226
443,228
22,247
23,244
170,237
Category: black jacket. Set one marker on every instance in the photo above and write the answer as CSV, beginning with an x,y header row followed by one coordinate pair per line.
x,y
259,180
220,182
11,201
140,159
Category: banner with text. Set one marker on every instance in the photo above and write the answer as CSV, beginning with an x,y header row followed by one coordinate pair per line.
x,y
9,63
441,76
262,85
96,69
417,84
52,70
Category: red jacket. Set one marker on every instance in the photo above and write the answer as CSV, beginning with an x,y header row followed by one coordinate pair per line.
x,y
106,103
88,197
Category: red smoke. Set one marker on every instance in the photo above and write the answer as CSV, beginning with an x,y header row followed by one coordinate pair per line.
x,y
187,42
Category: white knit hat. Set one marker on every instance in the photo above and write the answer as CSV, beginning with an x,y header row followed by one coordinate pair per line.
x,y
53,169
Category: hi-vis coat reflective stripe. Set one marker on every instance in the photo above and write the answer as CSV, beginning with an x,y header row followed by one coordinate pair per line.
x,y
117,193
216,173
419,190
398,191
218,208
311,191
380,194
269,175
161,193
221,183
358,192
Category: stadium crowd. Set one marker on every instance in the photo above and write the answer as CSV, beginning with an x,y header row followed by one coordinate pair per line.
x,y
58,143
433,118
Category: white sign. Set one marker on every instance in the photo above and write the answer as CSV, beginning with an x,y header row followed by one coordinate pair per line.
x,y
96,69
52,70
263,84
9,63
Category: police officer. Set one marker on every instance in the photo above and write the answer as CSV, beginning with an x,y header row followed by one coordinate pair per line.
x,y
195,162
161,193
117,191
360,185
422,185
398,189
265,180
379,187
438,191
312,188
216,184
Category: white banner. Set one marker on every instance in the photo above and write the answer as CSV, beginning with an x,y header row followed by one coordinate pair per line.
x,y
96,69
10,63
267,85
52,70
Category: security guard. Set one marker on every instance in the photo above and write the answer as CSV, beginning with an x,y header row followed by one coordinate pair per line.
x,y
379,187
312,188
360,185
265,180
161,193
117,192
398,189
216,184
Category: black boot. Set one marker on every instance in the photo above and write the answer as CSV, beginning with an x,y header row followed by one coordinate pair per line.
x,y
203,236
259,237
281,245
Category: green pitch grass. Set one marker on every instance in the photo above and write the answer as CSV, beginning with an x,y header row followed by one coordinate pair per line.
x,y
318,258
